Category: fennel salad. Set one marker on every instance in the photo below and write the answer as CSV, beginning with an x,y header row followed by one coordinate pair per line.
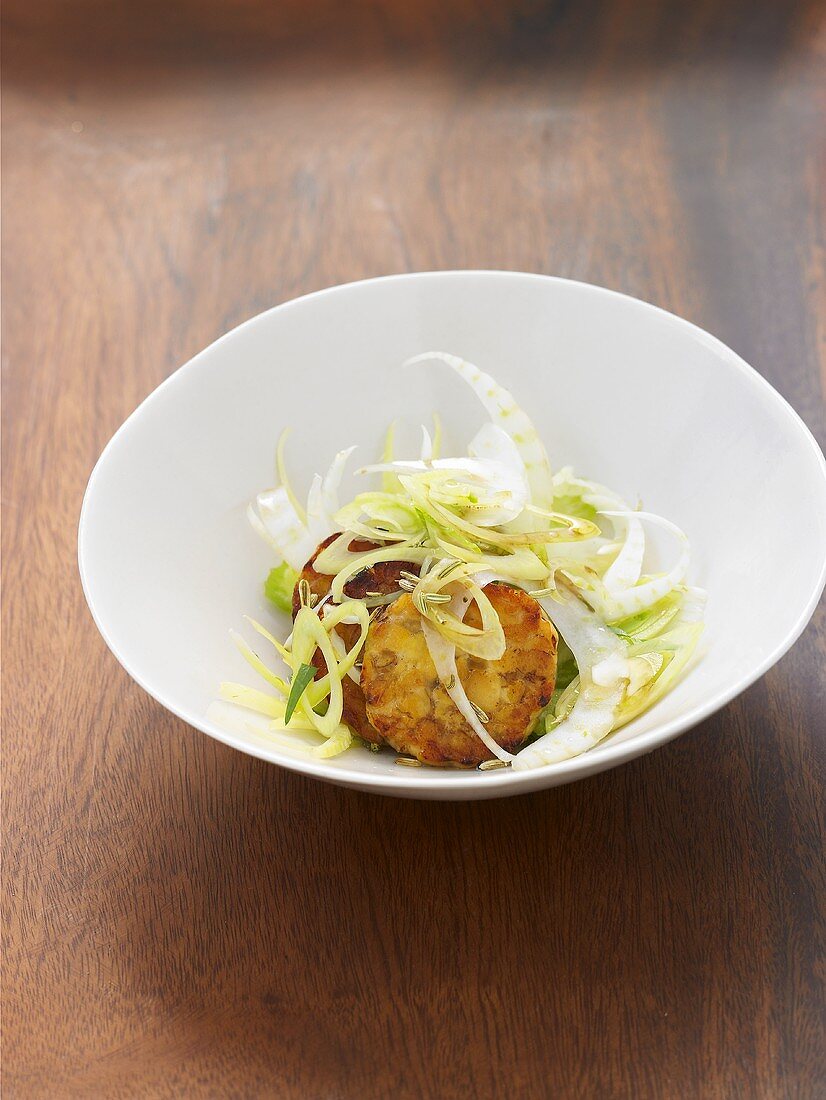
x,y
478,610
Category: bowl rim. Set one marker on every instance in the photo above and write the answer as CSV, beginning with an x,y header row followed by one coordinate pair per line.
x,y
466,783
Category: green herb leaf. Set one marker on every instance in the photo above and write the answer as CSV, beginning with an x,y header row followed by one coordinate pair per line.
x,y
304,676
279,585
566,666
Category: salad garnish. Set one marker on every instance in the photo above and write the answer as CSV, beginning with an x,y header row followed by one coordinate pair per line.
x,y
475,609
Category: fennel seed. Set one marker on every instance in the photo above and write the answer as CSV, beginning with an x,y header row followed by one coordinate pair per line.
x,y
480,714
437,597
408,761
447,569
490,765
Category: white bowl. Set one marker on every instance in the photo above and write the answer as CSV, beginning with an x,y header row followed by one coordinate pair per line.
x,y
630,395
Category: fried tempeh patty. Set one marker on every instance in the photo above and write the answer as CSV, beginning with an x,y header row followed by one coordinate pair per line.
x,y
411,709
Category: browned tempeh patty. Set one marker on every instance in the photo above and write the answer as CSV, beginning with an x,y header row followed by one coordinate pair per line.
x,y
408,705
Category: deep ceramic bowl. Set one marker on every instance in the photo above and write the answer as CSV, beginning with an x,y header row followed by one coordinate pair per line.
x,y
630,395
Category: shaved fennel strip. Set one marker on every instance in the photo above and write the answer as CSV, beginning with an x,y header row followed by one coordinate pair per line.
x,y
281,470
487,641
443,654
327,723
352,609
624,571
275,519
506,414
594,712
613,606
341,652
322,501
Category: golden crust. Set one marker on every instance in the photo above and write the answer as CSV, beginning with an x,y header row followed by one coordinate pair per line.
x,y
408,705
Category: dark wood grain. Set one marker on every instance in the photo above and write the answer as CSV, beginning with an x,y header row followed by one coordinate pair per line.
x,y
181,920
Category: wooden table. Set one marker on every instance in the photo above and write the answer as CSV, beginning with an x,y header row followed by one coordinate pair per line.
x,y
182,920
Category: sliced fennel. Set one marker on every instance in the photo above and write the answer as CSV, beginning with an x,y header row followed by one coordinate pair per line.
x,y
457,522
507,415
306,703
